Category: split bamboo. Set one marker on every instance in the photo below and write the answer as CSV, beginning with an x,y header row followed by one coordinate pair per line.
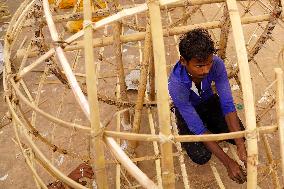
x,y
129,165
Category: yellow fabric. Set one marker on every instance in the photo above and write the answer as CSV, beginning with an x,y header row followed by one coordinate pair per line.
x,y
75,26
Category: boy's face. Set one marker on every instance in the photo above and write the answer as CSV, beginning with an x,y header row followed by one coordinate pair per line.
x,y
198,69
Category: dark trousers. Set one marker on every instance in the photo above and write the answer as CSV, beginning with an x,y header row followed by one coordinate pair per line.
x,y
212,117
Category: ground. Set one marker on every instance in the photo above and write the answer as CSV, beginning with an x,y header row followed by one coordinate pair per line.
x,y
59,101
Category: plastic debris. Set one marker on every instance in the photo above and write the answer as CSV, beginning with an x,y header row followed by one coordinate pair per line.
x,y
239,106
4,177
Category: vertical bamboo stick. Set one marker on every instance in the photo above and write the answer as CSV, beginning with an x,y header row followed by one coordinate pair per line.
x,y
239,41
225,27
91,79
180,155
156,150
152,95
117,26
118,167
162,92
217,176
142,85
280,114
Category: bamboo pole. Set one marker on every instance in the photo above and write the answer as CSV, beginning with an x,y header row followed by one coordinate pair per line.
x,y
280,115
217,176
156,150
91,80
180,155
117,26
252,159
129,165
118,120
224,33
162,92
142,85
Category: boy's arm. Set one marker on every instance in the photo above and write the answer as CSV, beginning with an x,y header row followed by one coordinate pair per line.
x,y
227,105
234,170
234,125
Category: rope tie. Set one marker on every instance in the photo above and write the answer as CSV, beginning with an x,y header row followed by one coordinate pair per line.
x,y
163,138
87,23
61,43
252,134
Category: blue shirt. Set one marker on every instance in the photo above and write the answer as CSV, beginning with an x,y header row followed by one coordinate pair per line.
x,y
185,95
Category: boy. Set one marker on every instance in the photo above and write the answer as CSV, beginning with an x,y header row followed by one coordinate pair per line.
x,y
198,110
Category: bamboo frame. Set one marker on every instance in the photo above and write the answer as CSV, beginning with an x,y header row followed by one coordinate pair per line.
x,y
165,138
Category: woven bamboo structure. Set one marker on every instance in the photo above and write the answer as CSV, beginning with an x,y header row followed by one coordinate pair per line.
x,y
39,52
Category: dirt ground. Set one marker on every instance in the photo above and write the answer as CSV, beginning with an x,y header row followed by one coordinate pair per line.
x,y
57,100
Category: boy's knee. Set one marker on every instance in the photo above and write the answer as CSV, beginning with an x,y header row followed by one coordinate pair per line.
x,y
197,152
202,159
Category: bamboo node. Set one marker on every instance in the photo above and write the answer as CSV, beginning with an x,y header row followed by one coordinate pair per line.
x,y
251,134
87,23
61,43
164,138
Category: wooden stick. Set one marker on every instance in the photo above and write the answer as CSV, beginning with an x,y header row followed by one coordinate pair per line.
x,y
162,92
142,84
156,150
129,165
280,114
141,35
91,79
224,34
217,176
64,62
120,68
252,160
180,155
188,138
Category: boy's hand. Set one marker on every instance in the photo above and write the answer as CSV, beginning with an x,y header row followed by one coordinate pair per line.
x,y
242,153
236,173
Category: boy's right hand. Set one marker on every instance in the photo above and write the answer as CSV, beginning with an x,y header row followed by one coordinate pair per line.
x,y
236,173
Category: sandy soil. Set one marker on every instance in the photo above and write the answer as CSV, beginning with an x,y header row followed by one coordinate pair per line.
x,y
59,101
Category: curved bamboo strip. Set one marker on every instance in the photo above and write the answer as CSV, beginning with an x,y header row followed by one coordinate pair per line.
x,y
64,62
129,165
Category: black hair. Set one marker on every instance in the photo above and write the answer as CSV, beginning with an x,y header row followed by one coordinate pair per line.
x,y
196,43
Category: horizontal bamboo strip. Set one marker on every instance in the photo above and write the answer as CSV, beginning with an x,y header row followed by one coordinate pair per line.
x,y
99,42
189,138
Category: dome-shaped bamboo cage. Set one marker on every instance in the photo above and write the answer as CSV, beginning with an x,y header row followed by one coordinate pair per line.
x,y
100,95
